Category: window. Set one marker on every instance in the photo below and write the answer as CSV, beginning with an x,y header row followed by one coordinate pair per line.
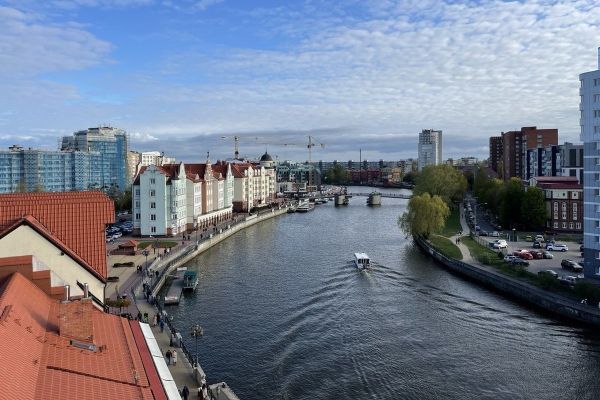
x,y
596,98
596,82
597,223
152,193
556,206
153,229
137,204
564,206
152,181
578,225
596,113
598,270
152,217
153,205
564,215
137,217
564,225
555,225
137,191
570,225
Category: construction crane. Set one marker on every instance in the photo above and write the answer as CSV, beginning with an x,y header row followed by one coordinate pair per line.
x,y
236,143
312,142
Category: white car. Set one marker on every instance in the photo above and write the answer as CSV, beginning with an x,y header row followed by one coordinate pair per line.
x,y
499,244
117,235
557,247
494,234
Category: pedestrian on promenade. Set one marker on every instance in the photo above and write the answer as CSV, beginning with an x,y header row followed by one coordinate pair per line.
x,y
162,326
174,355
154,320
168,355
204,392
185,392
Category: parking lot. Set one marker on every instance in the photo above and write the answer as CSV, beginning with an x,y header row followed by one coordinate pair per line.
x,y
537,265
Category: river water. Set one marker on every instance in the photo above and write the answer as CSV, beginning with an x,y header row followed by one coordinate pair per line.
x,y
287,316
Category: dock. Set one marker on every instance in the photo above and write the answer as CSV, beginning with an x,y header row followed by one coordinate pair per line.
x,y
173,295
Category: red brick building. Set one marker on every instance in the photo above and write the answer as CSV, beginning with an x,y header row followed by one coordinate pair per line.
x,y
564,202
496,154
515,145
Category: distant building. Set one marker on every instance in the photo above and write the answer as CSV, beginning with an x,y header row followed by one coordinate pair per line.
x,y
564,202
496,154
555,160
301,175
136,160
110,145
255,185
516,144
430,148
590,136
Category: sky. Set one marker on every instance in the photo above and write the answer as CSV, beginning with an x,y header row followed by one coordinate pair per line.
x,y
185,77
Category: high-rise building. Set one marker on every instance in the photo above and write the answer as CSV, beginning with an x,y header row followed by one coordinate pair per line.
x,y
496,153
590,136
515,146
430,148
110,145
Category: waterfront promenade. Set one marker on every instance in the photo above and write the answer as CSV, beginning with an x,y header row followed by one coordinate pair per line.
x,y
155,273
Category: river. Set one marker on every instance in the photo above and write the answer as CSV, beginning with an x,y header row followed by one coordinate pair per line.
x,y
287,316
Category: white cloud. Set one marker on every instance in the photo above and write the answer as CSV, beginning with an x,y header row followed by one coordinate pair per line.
x,y
204,4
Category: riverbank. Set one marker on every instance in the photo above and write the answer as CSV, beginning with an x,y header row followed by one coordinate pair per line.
x,y
515,288
185,373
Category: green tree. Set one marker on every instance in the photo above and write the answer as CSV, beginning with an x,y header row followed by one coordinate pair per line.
x,y
533,209
510,209
444,181
337,175
411,177
426,214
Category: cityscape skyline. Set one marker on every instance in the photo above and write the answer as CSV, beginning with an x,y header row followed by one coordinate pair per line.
x,y
368,75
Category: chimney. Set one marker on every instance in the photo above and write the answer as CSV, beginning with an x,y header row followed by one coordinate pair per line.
x,y
86,291
67,293
75,321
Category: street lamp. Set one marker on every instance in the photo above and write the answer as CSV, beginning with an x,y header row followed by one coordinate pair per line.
x,y
145,253
197,332
514,235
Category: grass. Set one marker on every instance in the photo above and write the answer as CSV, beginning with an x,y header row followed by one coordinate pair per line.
x,y
482,254
161,244
446,247
452,225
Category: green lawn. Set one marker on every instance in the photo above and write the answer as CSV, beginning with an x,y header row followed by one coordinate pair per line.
x,y
446,247
160,244
452,226
482,254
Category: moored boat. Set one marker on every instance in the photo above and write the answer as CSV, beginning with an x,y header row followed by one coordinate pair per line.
x,y
190,280
305,206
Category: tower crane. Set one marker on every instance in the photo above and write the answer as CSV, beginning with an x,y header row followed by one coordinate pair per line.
x,y
236,143
312,142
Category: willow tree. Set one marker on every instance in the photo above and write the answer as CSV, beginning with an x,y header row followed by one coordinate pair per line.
x,y
426,214
444,181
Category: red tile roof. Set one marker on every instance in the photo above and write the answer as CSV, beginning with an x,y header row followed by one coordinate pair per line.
x,y
238,169
44,364
75,219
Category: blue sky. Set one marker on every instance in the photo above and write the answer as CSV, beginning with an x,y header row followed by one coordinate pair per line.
x,y
370,74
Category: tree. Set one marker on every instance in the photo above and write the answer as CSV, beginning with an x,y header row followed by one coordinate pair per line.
x,y
426,214
510,209
444,181
533,208
337,175
411,177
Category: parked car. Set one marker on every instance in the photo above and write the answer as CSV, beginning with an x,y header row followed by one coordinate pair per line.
x,y
528,238
539,238
483,233
499,244
547,254
508,258
548,272
537,245
477,228
537,255
557,247
109,239
524,254
571,265
495,234
520,262
117,235
569,281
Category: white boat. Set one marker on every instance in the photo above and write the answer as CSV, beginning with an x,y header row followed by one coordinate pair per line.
x,y
362,260
305,206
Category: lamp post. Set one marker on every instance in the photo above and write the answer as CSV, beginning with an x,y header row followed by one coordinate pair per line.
x,y
196,332
145,253
514,235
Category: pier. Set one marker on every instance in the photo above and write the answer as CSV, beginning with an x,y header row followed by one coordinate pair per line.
x,y
173,295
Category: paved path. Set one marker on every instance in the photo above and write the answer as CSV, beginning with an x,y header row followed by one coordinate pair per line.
x,y
466,254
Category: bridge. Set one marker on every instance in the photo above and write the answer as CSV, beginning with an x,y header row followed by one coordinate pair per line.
x,y
390,195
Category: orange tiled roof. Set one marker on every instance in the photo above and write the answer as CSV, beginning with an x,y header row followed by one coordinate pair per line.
x,y
238,169
75,219
43,364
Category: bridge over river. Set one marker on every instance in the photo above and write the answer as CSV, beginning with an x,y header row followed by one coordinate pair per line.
x,y
383,194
